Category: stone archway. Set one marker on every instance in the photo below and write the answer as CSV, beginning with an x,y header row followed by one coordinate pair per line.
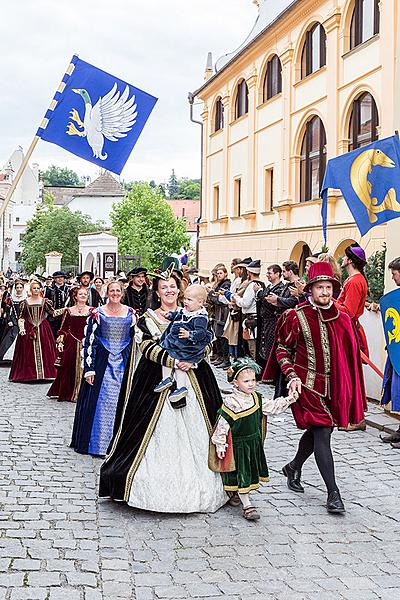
x,y
339,252
89,262
299,254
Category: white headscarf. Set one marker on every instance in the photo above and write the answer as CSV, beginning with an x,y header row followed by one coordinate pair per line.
x,y
18,297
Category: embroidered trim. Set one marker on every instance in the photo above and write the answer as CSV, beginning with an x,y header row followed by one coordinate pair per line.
x,y
244,413
326,351
312,363
253,486
143,446
200,399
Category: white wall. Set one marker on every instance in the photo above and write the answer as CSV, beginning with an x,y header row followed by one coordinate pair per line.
x,y
98,208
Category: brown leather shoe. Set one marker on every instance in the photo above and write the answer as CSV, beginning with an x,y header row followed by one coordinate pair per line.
x,y
361,426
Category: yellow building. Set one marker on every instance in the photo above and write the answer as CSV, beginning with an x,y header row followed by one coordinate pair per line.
x,y
313,80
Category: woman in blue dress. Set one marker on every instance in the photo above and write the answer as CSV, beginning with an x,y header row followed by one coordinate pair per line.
x,y
107,345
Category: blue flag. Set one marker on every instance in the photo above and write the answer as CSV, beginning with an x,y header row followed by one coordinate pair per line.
x,y
96,116
369,179
390,311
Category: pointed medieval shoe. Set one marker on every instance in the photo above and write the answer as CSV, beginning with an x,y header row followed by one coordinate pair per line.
x,y
334,504
178,398
293,478
395,445
165,384
215,358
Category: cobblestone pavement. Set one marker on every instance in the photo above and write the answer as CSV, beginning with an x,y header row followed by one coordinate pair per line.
x,y
60,543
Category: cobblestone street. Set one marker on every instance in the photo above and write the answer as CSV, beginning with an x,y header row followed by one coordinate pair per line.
x,y
60,543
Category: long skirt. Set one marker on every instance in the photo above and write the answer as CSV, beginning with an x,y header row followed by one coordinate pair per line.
x,y
69,373
34,355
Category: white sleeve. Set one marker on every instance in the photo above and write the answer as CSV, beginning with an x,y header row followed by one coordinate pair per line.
x,y
221,431
276,406
247,299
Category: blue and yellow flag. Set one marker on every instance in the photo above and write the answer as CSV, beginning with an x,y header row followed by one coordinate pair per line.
x,y
390,311
369,179
96,116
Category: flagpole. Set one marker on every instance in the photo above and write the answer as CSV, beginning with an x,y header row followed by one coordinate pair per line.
x,y
33,145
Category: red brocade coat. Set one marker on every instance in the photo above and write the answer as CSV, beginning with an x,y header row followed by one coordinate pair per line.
x,y
320,346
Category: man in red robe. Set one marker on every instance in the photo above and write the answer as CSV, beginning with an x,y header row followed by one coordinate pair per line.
x,y
316,351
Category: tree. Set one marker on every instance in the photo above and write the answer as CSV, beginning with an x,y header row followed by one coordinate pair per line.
x,y
145,226
375,275
54,229
153,184
173,185
58,176
189,189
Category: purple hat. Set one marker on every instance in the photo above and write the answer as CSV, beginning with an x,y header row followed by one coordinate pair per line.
x,y
359,252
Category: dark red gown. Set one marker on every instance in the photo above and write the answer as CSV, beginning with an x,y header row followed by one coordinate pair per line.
x,y
69,373
35,352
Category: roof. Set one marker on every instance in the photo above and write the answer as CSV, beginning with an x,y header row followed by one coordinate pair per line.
x,y
189,209
269,14
63,195
104,185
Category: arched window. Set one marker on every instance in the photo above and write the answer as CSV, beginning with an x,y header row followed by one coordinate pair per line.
x,y
273,79
312,160
365,21
242,100
364,122
314,50
219,115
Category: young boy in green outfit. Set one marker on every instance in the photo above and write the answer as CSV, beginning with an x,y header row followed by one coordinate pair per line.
x,y
241,424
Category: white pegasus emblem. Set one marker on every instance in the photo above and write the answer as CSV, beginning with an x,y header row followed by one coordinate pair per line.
x,y
112,117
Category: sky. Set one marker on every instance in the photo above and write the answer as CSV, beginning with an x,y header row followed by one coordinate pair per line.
x,y
159,46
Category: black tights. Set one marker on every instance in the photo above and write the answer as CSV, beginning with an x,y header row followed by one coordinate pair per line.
x,y
317,440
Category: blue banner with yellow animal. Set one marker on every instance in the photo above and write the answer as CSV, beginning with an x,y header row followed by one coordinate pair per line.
x,y
390,311
96,116
369,179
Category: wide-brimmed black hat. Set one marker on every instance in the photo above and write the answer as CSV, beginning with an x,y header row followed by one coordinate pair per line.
x,y
254,267
245,262
91,275
59,274
137,271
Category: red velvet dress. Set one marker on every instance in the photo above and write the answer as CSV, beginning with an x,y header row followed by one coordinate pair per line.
x,y
352,301
35,352
320,347
69,373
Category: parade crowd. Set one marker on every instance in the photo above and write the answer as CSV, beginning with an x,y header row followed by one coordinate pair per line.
x,y
134,354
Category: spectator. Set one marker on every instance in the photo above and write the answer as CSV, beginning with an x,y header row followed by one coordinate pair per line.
x,y
249,307
220,356
285,300
232,325
267,314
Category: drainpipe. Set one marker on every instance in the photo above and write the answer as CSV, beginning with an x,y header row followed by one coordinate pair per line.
x,y
191,98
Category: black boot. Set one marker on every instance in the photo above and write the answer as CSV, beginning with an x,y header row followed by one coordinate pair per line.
x,y
334,504
392,437
293,478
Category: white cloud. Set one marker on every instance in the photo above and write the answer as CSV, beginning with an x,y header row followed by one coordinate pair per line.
x,y
157,45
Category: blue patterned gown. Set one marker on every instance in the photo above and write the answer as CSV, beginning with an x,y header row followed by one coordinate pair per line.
x,y
106,351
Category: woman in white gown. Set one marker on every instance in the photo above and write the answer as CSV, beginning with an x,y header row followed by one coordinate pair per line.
x,y
158,458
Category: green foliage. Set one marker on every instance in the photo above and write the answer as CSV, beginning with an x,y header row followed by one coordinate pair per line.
x,y
375,274
146,226
58,176
54,229
173,186
189,189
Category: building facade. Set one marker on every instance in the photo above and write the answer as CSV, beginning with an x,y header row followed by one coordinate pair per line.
x,y
21,208
313,80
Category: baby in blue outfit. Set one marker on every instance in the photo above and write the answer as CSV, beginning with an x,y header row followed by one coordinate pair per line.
x,y
186,339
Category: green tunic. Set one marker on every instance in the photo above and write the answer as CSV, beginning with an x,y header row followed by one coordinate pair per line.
x,y
248,434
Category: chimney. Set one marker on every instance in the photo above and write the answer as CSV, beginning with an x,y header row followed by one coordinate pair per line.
x,y
209,67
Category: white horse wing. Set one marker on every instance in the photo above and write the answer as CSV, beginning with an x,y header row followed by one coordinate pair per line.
x,y
114,115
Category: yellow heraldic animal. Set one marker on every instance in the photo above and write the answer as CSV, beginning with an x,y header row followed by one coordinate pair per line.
x,y
359,172
394,335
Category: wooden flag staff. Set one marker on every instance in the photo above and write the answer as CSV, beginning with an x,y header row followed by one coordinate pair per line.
x,y
31,148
